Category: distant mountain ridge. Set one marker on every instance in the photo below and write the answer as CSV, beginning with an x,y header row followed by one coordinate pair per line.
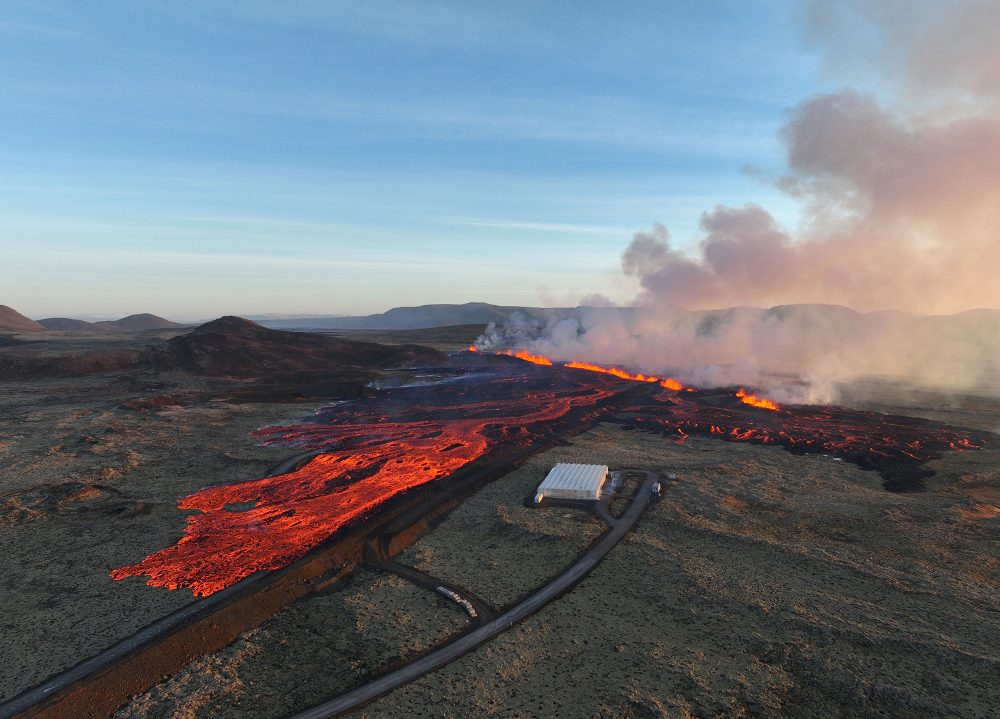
x,y
132,323
421,317
473,313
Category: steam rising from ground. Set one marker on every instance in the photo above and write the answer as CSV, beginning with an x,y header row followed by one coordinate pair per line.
x,y
795,353
900,210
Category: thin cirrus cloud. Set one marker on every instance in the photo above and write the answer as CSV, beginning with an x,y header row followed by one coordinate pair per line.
x,y
377,136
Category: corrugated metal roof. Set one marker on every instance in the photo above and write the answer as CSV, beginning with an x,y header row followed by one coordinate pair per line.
x,y
574,481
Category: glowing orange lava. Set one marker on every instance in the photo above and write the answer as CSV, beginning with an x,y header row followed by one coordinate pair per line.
x,y
377,452
614,371
400,439
527,357
755,401
665,382
294,512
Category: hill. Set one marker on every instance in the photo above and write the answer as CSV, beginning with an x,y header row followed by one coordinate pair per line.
x,y
13,321
421,317
138,322
235,347
245,360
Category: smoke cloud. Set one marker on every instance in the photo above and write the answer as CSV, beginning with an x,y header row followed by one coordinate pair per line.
x,y
899,194
898,213
934,53
795,353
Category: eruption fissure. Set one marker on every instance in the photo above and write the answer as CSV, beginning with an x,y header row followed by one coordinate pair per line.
x,y
407,437
755,401
403,439
665,382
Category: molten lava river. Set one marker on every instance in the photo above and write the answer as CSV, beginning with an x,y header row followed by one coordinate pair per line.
x,y
399,439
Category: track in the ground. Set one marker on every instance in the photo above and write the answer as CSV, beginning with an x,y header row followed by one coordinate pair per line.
x,y
468,642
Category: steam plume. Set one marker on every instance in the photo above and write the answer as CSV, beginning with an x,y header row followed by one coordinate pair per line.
x,y
900,212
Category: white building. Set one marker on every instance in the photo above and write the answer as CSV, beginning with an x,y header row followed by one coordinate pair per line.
x,y
573,481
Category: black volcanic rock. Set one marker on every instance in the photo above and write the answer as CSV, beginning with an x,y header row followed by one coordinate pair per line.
x,y
26,365
284,365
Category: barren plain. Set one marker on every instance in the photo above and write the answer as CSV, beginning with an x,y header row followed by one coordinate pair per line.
x,y
92,467
761,584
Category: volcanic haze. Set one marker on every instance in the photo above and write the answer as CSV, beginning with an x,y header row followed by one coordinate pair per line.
x,y
898,184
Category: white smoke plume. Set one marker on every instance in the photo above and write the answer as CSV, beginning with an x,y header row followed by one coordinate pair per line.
x,y
796,353
900,213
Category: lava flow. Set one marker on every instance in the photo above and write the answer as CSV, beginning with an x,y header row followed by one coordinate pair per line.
x,y
894,446
527,357
667,382
403,438
755,401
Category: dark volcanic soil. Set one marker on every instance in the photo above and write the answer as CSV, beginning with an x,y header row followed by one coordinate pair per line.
x,y
234,347
764,583
92,467
281,365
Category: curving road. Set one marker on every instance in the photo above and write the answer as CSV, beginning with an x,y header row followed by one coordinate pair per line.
x,y
485,612
467,642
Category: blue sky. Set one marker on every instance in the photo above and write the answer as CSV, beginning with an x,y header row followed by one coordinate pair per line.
x,y
193,159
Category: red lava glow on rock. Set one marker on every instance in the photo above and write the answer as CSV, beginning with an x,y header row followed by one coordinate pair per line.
x,y
407,437
401,440
755,401
528,357
894,446
666,382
